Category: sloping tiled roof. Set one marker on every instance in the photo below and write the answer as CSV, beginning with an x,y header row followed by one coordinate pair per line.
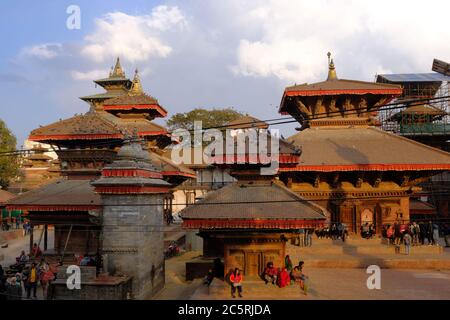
x,y
140,102
342,86
87,126
62,195
5,196
247,122
253,201
420,207
143,126
131,100
170,168
343,149
106,95
96,125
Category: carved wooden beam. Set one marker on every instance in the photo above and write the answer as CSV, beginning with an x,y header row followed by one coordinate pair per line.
x,y
317,181
362,108
335,181
303,109
359,180
405,181
319,108
378,179
333,110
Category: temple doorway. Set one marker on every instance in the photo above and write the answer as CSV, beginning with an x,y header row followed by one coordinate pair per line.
x,y
251,258
367,217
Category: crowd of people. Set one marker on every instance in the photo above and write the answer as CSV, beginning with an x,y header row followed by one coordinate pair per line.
x,y
31,271
335,231
421,233
280,276
15,223
26,279
416,234
286,275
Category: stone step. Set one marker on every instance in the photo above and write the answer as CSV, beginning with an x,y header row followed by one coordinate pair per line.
x,y
335,249
253,287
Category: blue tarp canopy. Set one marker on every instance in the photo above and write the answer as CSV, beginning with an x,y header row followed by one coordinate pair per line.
x,y
413,77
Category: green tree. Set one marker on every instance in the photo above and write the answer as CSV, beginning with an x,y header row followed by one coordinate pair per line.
x,y
209,118
9,164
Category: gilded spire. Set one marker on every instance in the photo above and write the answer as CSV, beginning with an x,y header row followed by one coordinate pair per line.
x,y
136,87
118,71
331,70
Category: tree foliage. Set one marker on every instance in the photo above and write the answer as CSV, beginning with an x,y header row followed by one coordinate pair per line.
x,y
9,165
209,118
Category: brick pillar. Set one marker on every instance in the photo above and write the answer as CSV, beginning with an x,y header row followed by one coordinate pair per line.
x,y
133,194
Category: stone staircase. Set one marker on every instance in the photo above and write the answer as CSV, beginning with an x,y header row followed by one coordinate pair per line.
x,y
360,253
252,289
174,232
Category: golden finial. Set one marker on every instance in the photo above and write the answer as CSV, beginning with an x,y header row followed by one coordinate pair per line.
x,y
136,87
331,69
118,71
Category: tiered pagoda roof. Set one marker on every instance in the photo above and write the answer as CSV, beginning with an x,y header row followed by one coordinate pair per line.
x,y
419,110
338,132
363,149
266,205
116,84
89,126
135,100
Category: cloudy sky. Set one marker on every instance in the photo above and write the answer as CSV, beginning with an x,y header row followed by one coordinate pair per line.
x,y
208,54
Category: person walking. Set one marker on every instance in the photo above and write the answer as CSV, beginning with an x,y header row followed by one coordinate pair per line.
x,y
32,280
447,235
407,241
430,233
435,234
422,232
18,218
415,232
308,237
236,279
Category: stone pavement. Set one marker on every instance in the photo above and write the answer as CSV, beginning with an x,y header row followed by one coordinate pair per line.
x,y
176,286
340,284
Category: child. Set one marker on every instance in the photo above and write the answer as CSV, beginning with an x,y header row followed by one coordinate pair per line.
x,y
407,241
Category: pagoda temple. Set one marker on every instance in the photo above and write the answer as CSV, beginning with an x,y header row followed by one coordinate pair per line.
x,y
85,145
360,173
248,222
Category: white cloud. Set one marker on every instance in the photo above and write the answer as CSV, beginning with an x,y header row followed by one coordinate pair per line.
x,y
366,37
89,75
45,51
135,38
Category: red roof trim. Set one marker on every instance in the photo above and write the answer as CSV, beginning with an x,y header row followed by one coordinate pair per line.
x,y
156,107
75,137
341,91
153,133
178,173
252,158
251,224
131,173
369,167
56,207
130,189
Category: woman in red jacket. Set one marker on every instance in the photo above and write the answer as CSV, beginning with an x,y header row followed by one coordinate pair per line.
x,y
236,282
